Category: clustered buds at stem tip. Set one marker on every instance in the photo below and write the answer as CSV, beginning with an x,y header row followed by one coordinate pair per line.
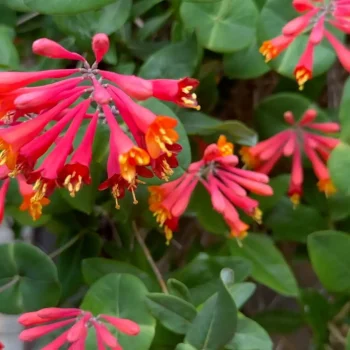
x,y
312,19
227,185
79,321
26,131
298,139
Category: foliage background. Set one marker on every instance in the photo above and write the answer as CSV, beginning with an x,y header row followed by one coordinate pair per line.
x,y
296,262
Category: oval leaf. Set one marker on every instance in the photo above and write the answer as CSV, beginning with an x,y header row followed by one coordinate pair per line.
x,y
28,279
329,254
215,324
173,313
65,7
221,25
249,336
269,266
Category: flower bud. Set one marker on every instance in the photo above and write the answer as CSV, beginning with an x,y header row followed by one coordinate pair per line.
x,y
100,46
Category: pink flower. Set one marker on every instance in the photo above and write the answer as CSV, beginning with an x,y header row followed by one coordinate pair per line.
x,y
48,320
314,14
226,184
293,142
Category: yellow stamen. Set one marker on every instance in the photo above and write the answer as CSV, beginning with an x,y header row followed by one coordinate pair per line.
x,y
116,194
257,215
226,148
295,199
326,186
166,170
73,183
302,75
128,161
247,158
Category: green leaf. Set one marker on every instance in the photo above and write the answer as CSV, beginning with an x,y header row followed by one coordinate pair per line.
x,y
241,292
95,268
274,15
317,313
339,165
329,254
17,5
7,17
69,262
249,336
184,157
84,25
222,25
269,113
65,7
124,296
178,289
152,25
200,275
24,218
280,321
269,266
9,58
216,322
172,312
279,185
245,64
198,123
173,61
28,279
143,6
347,342
294,224
344,113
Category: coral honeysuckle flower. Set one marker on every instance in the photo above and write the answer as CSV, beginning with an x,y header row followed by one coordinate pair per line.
x,y
34,120
298,139
314,15
77,170
48,320
158,131
226,184
177,91
30,202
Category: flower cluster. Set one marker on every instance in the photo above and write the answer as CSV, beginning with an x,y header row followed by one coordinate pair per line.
x,y
87,93
303,136
51,319
227,185
314,15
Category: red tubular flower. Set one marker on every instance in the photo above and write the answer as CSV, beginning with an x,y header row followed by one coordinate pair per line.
x,y
293,142
303,70
28,113
80,321
303,5
129,155
33,150
226,184
158,131
177,91
10,81
77,171
169,201
313,18
12,139
45,178
48,48
30,201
